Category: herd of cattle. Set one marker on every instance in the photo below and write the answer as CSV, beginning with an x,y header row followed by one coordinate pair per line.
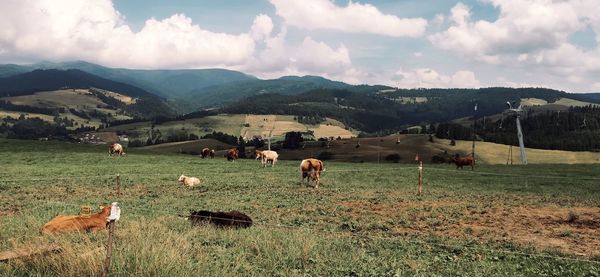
x,y
310,170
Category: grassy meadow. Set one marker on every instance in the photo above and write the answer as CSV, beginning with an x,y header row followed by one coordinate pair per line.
x,y
364,220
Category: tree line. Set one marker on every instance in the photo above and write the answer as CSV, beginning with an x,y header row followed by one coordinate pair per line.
x,y
574,129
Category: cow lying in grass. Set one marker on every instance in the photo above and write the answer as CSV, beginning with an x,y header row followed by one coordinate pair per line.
x,y
116,148
462,161
232,219
78,223
189,181
311,170
266,156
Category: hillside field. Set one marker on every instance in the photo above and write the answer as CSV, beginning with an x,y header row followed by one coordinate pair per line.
x,y
78,99
238,125
364,220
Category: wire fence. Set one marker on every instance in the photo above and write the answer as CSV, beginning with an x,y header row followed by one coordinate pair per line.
x,y
325,230
314,228
262,172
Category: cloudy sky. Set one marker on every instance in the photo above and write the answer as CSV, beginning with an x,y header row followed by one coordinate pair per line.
x,y
403,43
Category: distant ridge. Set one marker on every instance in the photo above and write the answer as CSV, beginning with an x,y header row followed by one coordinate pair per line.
x,y
147,106
54,79
163,82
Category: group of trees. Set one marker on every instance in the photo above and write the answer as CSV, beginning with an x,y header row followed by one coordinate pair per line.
x,y
9,106
33,128
575,129
310,120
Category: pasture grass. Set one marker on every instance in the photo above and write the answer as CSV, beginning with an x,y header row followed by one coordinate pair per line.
x,y
364,220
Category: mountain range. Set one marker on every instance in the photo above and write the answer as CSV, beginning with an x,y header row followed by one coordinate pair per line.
x,y
369,108
193,89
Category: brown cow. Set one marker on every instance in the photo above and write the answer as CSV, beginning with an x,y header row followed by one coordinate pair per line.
x,y
311,170
461,161
232,154
116,148
207,152
78,223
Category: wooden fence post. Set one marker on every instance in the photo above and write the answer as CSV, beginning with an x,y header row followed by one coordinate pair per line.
x,y
111,229
420,177
115,214
119,184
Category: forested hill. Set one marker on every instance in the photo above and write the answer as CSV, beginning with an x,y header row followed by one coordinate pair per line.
x,y
147,105
576,129
168,83
53,79
393,110
221,95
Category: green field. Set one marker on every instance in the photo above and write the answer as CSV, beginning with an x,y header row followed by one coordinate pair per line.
x,y
365,219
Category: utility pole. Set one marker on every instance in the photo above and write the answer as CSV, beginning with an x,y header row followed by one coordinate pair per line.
x,y
269,139
516,112
474,119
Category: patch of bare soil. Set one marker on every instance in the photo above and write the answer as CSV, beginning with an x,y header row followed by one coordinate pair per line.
x,y
9,212
541,227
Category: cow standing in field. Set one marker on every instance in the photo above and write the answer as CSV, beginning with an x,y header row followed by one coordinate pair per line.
x,y
78,223
462,161
207,152
116,148
266,156
232,154
311,170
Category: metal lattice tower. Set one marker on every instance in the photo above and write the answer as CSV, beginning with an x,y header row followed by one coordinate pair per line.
x,y
517,112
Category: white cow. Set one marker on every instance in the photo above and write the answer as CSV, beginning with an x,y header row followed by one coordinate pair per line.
x,y
266,156
189,181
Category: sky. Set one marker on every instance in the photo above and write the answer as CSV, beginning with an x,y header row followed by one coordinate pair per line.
x,y
401,43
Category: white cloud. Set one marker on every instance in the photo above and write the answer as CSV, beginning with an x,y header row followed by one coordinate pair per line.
x,y
529,36
95,31
308,58
429,78
262,27
354,18
503,82
522,27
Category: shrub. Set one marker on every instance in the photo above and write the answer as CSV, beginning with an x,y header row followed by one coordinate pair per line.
x,y
325,155
572,216
393,158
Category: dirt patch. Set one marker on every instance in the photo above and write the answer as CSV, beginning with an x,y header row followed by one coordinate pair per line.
x,y
544,227
9,212
540,227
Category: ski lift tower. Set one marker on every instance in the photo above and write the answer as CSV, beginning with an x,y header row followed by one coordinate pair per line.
x,y
269,139
516,112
